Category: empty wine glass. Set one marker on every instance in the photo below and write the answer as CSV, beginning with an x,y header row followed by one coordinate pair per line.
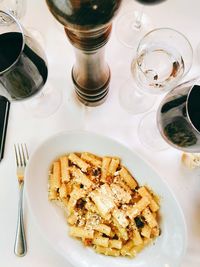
x,y
178,117
16,7
23,68
132,25
163,57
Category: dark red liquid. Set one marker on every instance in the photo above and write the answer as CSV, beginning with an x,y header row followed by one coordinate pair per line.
x,y
193,106
10,48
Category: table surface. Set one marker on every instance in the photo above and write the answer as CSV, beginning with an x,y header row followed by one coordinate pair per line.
x,y
109,119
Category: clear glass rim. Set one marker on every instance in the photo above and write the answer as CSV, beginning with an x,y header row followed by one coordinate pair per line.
x,y
169,29
15,20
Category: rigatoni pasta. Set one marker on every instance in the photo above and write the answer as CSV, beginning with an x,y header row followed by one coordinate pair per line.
x,y
106,207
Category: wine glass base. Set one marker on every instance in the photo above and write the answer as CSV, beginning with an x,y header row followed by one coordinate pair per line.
x,y
36,35
45,103
198,52
134,101
127,32
149,134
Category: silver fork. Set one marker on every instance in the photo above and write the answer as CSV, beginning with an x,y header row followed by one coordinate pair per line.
x,y
21,155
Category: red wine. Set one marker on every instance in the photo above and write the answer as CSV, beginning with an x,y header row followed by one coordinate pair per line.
x,y
150,2
9,52
23,71
193,106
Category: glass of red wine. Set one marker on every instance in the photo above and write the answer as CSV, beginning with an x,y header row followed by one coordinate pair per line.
x,y
178,117
132,25
23,68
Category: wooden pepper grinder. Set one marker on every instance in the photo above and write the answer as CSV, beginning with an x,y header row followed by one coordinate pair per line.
x,y
88,26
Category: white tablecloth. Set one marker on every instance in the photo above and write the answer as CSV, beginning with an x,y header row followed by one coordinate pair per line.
x,y
109,119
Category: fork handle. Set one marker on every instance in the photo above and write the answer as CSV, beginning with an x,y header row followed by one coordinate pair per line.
x,y
20,248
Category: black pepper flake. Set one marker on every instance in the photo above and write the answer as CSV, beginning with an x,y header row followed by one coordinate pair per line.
x,y
80,203
139,222
96,172
104,235
155,77
115,237
118,168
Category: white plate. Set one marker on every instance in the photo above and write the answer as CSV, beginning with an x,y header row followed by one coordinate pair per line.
x,y
169,247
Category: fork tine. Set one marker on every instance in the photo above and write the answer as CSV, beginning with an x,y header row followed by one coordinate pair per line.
x,y
23,155
26,151
16,156
20,156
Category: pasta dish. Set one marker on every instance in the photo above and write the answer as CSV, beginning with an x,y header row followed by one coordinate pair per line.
x,y
106,207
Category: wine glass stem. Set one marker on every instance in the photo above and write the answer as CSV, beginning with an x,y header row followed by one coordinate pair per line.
x,y
138,93
85,117
138,21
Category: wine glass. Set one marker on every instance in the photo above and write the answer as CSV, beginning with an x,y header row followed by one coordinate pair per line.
x,y
132,25
16,7
23,68
178,117
163,57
